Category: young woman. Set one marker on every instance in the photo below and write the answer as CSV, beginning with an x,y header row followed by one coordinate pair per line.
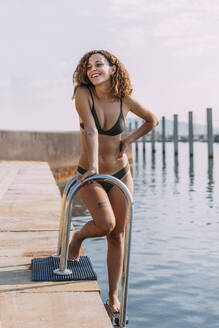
x,y
103,99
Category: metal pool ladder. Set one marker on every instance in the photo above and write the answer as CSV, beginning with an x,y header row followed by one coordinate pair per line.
x,y
71,188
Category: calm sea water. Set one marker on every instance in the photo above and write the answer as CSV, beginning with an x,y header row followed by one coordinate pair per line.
x,y
174,270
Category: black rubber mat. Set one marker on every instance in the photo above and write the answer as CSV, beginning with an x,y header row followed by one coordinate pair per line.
x,y
42,269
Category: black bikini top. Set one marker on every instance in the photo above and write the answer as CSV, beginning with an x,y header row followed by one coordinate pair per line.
x,y
117,128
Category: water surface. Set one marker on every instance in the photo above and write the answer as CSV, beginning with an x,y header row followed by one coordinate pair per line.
x,y
174,271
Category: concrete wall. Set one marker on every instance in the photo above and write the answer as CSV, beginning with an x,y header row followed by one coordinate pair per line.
x,y
59,149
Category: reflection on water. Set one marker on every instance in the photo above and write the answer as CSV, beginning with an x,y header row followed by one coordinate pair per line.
x,y
176,168
210,184
144,154
191,172
164,160
164,172
136,152
174,259
153,162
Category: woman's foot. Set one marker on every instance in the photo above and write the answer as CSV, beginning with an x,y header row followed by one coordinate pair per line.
x,y
114,304
74,249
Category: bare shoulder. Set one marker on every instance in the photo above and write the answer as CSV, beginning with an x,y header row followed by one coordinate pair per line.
x,y
82,97
139,109
83,106
81,92
131,103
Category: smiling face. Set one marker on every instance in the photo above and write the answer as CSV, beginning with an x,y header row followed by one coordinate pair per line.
x,y
99,70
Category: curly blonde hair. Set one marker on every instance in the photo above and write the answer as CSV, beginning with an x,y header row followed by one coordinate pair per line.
x,y
121,84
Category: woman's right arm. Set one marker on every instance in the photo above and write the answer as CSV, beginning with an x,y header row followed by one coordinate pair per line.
x,y
90,131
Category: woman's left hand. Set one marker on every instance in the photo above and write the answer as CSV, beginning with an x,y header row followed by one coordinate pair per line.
x,y
122,148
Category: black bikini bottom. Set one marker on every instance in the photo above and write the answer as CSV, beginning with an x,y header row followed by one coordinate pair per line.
x,y
106,185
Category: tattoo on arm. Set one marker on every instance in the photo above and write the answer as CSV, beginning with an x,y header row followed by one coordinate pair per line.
x,y
101,204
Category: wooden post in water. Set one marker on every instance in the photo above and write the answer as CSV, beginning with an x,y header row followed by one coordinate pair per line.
x,y
130,126
153,141
144,146
175,134
163,134
210,132
136,143
190,134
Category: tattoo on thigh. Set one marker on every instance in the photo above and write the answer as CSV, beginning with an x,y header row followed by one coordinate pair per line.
x,y
101,204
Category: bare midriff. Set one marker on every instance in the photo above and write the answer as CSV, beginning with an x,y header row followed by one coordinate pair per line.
x,y
109,163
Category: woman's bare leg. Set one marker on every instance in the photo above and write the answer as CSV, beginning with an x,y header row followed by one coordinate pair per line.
x,y
97,202
116,242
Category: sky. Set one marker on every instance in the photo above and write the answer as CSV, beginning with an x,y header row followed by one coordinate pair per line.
x,y
169,47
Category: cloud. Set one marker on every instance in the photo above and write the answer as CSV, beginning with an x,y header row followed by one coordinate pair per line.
x,y
126,10
189,34
187,28
5,83
47,84
131,37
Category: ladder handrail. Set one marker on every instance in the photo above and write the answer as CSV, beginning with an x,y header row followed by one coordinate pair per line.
x,y
67,188
70,192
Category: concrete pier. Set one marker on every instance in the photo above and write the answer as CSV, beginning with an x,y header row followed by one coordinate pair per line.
x,y
30,207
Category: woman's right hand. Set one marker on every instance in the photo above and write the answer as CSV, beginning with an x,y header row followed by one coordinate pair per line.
x,y
122,148
87,174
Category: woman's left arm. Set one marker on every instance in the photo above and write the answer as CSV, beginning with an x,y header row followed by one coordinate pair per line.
x,y
150,122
